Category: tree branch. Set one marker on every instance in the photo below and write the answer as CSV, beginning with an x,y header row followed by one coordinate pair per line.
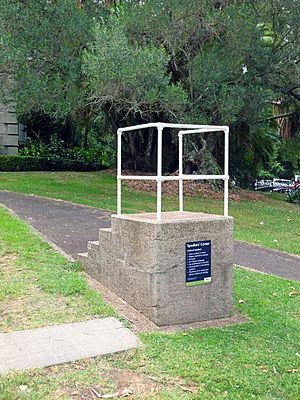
x,y
275,117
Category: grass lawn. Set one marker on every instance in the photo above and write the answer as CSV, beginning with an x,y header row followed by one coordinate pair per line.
x,y
38,286
272,223
259,359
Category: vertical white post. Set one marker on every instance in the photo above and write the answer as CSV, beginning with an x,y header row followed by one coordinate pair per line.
x,y
159,170
180,171
119,173
226,170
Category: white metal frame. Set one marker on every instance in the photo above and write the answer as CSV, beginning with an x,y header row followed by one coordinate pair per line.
x,y
185,129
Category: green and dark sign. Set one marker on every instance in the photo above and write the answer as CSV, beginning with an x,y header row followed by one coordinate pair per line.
x,y
198,262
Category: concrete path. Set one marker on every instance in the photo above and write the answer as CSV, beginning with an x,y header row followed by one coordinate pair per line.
x,y
51,345
268,261
71,226
67,225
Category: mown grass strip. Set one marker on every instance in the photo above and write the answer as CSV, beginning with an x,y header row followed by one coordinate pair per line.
x,y
39,286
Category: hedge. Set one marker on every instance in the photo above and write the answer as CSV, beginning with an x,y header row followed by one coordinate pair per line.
x,y
28,163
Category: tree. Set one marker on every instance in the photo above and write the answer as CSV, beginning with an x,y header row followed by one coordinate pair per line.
x,y
41,45
208,61
233,59
132,84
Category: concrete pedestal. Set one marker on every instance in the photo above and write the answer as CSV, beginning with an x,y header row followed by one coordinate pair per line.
x,y
144,262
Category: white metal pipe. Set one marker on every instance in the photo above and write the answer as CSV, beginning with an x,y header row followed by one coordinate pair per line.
x,y
180,171
201,130
169,177
119,197
168,125
226,170
138,177
141,126
193,126
192,177
226,193
199,177
159,170
119,171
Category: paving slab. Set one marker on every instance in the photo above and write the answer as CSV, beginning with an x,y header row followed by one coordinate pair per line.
x,y
57,344
70,226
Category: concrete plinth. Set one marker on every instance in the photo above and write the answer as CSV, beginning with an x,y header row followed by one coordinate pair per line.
x,y
144,262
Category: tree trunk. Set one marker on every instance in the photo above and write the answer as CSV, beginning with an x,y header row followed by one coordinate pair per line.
x,y
86,117
148,151
85,132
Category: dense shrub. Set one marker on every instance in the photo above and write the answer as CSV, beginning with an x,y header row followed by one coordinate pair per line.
x,y
294,196
43,150
18,163
29,163
58,150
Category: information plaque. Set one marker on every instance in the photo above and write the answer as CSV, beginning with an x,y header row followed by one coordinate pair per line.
x,y
198,262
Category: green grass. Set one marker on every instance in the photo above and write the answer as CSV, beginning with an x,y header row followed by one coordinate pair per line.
x,y
252,360
39,286
58,382
259,359
272,223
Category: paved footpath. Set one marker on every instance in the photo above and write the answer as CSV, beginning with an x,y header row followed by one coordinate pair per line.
x,y
71,226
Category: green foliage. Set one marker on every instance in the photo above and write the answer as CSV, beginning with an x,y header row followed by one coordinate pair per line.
x,y
57,150
294,196
31,163
130,78
102,146
291,152
276,171
45,56
220,62
41,45
21,163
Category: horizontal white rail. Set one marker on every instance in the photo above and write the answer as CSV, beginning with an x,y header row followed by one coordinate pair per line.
x,y
171,177
201,130
193,177
167,125
137,177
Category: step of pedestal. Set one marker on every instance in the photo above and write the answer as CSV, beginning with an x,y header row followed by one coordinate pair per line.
x,y
82,255
93,244
93,249
84,259
105,240
104,233
98,251
89,260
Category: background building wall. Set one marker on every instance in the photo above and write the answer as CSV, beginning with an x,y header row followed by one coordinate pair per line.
x,y
9,131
